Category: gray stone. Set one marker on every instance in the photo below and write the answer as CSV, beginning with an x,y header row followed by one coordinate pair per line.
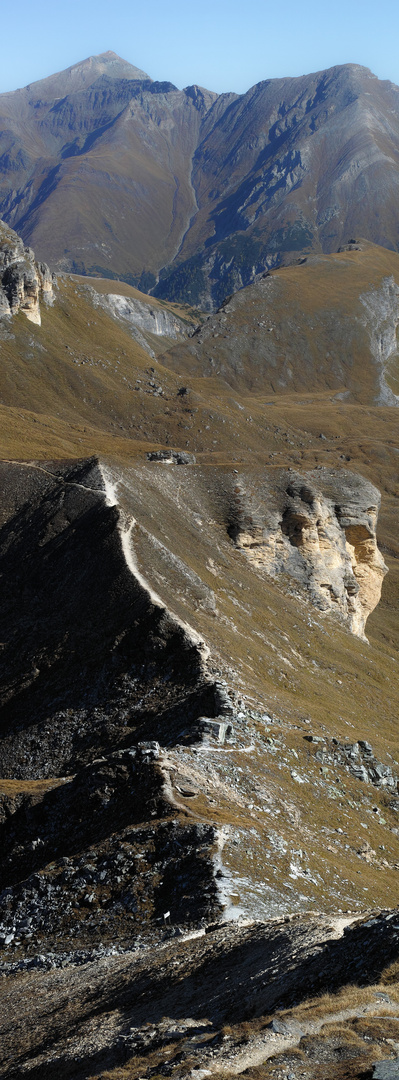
x,y
222,700
279,1027
360,772
171,457
285,1027
217,730
149,750
386,1070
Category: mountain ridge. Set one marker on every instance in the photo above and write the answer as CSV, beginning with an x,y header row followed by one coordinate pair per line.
x,y
199,802
84,72
191,194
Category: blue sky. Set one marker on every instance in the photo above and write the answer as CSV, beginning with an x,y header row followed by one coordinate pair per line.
x,y
220,44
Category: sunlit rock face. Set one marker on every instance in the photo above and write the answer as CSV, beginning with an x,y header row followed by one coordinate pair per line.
x,y
23,281
318,529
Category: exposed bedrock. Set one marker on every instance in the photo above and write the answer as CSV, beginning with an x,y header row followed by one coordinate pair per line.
x,y
319,529
101,856
382,320
142,316
91,661
23,281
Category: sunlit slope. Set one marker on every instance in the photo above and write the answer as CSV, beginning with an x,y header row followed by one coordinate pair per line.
x,y
327,323
77,374
294,165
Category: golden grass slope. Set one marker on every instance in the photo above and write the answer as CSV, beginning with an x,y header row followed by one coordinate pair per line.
x,y
327,323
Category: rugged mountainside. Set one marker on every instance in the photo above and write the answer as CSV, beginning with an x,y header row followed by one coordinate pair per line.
x,y
198,729
103,183
108,172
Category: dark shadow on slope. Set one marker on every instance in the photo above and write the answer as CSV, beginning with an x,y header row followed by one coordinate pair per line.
x,y
102,799
88,662
246,986
46,188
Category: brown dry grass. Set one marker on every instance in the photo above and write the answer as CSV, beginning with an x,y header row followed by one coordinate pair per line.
x,y
29,787
390,977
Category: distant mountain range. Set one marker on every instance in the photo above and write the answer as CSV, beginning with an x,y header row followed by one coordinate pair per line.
x,y
191,194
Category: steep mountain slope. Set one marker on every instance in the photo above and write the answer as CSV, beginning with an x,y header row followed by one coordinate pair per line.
x,y
107,172
96,166
198,726
293,165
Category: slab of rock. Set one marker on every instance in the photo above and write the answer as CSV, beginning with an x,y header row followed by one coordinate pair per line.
x,y
386,1070
318,528
216,730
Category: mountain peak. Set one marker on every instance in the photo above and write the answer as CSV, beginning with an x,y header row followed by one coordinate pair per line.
x,y
85,72
109,63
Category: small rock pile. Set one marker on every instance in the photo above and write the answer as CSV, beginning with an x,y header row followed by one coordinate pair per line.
x,y
358,758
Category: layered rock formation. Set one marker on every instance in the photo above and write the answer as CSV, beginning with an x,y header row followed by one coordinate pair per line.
x,y
129,790
24,282
320,530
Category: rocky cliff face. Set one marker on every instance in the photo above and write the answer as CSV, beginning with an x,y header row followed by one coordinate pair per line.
x,y
145,320
320,530
382,319
23,281
141,788
124,753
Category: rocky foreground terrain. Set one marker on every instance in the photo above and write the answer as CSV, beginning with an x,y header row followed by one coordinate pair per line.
x,y
199,678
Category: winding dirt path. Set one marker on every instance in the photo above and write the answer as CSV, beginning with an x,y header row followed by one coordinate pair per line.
x,y
273,1043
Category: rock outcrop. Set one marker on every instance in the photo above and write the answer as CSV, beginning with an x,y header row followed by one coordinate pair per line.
x,y
145,317
178,1010
382,319
23,281
319,529
145,321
